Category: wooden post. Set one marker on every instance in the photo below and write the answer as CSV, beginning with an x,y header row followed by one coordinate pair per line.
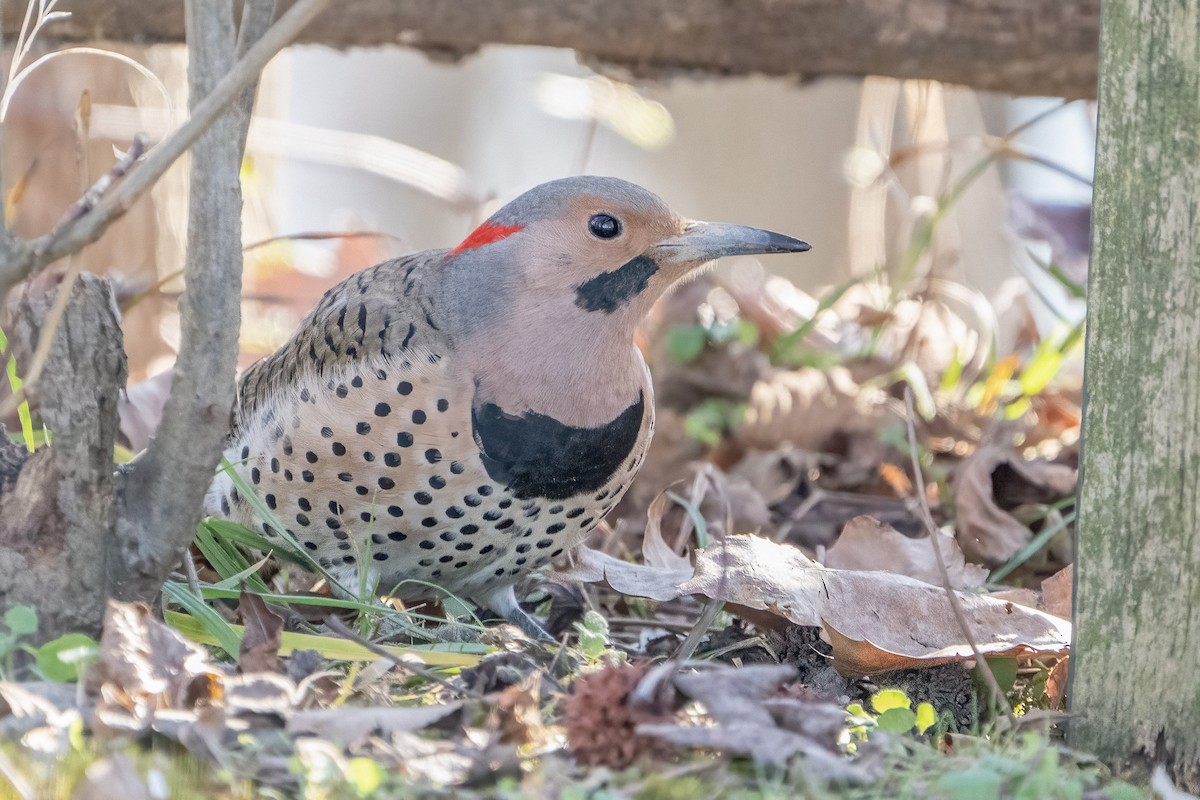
x,y
1136,661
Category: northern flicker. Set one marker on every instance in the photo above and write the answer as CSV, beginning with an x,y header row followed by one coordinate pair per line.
x,y
457,418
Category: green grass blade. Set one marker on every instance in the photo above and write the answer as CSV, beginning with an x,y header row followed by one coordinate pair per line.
x,y
782,351
1029,550
226,559
15,383
447,654
698,521
271,519
216,629
240,535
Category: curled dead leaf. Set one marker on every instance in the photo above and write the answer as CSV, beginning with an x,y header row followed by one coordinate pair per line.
x,y
260,642
1058,592
1056,683
146,666
140,409
875,621
655,550
986,531
638,580
867,544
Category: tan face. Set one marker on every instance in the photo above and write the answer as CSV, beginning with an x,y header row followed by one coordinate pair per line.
x,y
587,251
594,235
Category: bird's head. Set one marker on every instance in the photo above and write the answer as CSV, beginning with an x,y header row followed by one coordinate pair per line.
x,y
598,248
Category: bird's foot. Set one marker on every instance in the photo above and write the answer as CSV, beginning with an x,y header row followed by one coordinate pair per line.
x,y
504,603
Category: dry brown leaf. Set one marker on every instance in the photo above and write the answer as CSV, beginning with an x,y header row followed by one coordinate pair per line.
x,y
655,550
516,715
1022,597
752,718
638,580
774,474
805,407
259,651
1056,683
347,726
146,666
876,621
986,532
1057,592
868,544
140,409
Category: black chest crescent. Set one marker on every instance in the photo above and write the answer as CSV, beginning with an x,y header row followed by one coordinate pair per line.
x,y
538,456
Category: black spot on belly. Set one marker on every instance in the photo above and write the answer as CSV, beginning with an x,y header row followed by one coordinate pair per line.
x,y
608,291
538,456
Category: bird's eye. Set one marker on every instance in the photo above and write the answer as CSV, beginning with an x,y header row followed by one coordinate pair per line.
x,y
604,226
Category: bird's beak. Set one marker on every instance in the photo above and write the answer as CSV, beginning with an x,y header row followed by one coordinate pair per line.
x,y
704,241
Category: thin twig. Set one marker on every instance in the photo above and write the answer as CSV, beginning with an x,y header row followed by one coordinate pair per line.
x,y
89,227
193,578
931,527
91,198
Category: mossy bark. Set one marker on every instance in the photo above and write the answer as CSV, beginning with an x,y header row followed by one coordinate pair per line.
x,y
1137,652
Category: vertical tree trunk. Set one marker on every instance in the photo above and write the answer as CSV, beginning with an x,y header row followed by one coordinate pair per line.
x,y
1137,650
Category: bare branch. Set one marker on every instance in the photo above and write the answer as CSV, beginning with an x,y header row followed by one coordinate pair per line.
x,y
97,191
162,499
23,258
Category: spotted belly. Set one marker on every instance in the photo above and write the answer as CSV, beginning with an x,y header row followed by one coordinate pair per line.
x,y
382,469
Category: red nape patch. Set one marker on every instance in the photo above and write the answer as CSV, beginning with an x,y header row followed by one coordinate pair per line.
x,y
486,233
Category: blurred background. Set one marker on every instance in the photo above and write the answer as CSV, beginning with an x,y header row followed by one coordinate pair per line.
x,y
949,231
392,143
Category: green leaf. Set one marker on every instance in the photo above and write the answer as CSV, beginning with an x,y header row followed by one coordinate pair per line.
x,y
685,343
886,699
972,784
705,424
1005,671
242,536
21,620
897,720
954,370
64,658
748,333
926,717
1045,363
365,775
